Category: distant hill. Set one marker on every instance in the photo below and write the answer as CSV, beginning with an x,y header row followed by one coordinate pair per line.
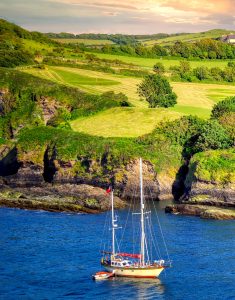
x,y
15,31
215,34
18,46
148,40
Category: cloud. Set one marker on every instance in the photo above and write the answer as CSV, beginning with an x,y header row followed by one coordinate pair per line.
x,y
109,16
201,6
115,5
110,13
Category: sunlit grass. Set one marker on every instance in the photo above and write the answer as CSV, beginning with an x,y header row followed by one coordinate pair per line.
x,y
123,122
193,98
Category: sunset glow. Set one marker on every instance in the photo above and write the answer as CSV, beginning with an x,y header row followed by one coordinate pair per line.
x,y
108,16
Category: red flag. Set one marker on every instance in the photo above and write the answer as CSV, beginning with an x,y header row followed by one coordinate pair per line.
x,y
108,190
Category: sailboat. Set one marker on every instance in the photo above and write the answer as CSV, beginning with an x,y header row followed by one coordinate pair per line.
x,y
136,265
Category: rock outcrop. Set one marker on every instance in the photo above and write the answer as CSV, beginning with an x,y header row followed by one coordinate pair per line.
x,y
209,186
49,107
202,211
68,197
40,170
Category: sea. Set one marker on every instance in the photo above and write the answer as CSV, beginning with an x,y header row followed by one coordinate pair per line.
x,y
48,255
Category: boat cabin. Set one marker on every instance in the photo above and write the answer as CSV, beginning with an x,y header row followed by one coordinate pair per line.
x,y
120,263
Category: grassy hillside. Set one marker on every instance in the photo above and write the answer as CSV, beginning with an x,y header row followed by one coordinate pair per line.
x,y
189,94
189,37
148,63
87,42
216,166
193,98
23,104
123,122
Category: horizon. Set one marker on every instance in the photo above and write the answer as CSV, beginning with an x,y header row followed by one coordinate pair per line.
x,y
108,17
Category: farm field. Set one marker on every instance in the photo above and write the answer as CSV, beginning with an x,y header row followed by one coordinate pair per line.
x,y
193,98
148,63
37,46
87,42
123,121
189,37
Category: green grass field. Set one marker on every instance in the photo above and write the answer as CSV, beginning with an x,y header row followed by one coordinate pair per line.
x,y
123,121
190,37
87,42
193,98
148,63
32,45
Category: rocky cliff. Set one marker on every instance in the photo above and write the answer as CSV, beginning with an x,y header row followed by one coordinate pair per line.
x,y
209,186
39,175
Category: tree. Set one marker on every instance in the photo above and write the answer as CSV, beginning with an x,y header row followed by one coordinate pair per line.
x,y
227,120
223,107
159,68
121,98
184,66
201,73
213,136
157,91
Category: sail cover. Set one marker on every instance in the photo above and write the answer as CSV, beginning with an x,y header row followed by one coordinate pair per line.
x,y
129,255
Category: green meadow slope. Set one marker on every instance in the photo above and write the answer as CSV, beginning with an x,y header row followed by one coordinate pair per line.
x,y
193,98
188,37
67,115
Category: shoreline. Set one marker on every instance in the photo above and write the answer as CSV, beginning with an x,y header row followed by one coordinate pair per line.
x,y
46,206
202,211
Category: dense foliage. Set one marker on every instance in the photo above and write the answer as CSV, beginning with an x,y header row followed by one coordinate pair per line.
x,y
23,93
195,135
202,49
12,49
157,91
184,72
223,107
224,112
121,39
214,165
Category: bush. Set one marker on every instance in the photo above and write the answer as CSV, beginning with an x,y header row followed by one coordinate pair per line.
x,y
225,106
157,91
159,68
13,58
195,135
213,136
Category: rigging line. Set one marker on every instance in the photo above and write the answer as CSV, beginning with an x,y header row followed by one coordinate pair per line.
x,y
117,245
153,231
135,220
147,251
153,237
104,228
156,246
133,227
121,239
147,235
161,232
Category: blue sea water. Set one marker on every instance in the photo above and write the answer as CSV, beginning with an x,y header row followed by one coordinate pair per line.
x,y
45,255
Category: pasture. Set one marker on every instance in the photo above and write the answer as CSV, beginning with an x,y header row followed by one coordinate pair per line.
x,y
193,98
32,45
189,37
148,63
123,121
87,42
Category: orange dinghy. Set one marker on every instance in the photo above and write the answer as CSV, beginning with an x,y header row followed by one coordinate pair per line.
x,y
102,275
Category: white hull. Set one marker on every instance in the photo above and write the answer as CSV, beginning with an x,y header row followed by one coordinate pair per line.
x,y
151,272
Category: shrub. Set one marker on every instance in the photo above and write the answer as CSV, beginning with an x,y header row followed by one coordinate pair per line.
x,y
225,106
157,91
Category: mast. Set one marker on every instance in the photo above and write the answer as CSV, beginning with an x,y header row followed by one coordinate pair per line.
x,y
142,246
113,224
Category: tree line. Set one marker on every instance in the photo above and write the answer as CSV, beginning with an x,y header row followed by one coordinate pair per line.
x,y
203,49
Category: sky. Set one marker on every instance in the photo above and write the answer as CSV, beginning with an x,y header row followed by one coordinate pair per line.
x,y
120,16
